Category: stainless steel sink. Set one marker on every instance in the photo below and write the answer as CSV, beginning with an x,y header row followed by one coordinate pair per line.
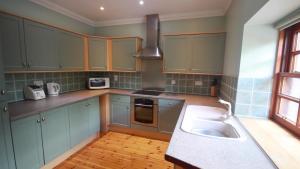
x,y
209,122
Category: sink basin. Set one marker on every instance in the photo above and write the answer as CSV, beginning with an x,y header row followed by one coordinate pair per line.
x,y
210,128
209,122
205,112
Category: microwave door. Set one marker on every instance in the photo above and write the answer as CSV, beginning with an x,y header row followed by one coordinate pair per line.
x,y
97,83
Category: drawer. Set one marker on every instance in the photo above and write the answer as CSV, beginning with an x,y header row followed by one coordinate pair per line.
x,y
168,102
120,98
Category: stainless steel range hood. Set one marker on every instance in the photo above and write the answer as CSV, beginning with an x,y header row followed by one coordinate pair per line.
x,y
152,50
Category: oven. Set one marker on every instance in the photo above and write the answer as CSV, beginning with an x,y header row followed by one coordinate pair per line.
x,y
98,83
144,111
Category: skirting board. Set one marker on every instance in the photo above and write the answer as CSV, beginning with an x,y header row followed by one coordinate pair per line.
x,y
70,152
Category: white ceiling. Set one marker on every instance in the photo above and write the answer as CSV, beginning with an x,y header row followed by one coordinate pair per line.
x,y
129,11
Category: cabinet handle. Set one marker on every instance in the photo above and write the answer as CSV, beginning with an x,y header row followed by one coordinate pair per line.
x,y
5,108
60,66
28,65
38,121
43,119
24,64
3,92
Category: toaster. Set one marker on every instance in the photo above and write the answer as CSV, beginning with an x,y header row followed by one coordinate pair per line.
x,y
34,92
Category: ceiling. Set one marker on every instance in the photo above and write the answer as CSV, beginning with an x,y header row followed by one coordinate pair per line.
x,y
130,11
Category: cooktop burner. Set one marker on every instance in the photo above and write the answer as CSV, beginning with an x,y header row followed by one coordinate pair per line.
x,y
148,92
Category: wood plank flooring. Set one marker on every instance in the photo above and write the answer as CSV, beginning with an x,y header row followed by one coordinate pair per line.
x,y
282,147
120,151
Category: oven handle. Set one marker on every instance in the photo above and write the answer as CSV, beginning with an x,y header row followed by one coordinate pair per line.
x,y
143,105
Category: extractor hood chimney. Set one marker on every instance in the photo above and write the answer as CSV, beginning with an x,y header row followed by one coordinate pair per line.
x,y
152,50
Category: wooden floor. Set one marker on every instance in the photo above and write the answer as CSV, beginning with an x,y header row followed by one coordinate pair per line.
x,y
120,151
280,145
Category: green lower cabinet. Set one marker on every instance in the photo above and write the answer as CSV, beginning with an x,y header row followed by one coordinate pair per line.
x,y
94,115
27,141
79,122
55,133
169,111
120,111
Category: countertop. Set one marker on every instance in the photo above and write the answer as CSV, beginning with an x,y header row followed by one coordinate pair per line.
x,y
185,149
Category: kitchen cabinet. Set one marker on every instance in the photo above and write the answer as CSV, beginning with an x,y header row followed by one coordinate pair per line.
x,y
169,111
55,132
94,115
79,122
12,37
27,141
176,54
123,51
71,47
197,54
97,54
41,46
120,110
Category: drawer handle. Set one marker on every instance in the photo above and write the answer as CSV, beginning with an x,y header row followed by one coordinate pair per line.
x,y
43,119
5,109
38,121
3,92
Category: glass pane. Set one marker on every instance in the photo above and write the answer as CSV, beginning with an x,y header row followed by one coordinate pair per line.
x,y
297,63
291,87
289,110
298,42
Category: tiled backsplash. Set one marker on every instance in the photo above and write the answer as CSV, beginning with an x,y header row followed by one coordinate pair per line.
x,y
73,81
253,97
228,89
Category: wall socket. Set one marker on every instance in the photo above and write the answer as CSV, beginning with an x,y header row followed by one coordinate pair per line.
x,y
173,82
116,78
198,83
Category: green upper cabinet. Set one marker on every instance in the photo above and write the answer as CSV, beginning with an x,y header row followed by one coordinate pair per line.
x,y
79,122
27,142
55,133
176,53
94,115
202,54
123,51
97,54
12,37
169,111
207,54
71,47
41,46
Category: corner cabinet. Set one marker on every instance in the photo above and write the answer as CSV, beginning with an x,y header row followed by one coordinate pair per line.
x,y
169,111
97,53
122,54
71,51
196,54
40,138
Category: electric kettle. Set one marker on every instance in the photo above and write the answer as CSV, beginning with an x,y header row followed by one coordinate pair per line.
x,y
53,89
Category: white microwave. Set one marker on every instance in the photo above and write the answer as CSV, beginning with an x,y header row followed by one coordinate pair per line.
x,y
98,83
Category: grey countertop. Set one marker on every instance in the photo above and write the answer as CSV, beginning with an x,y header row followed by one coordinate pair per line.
x,y
194,151
186,149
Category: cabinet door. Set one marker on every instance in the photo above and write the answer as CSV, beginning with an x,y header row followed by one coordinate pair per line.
x,y
79,123
207,54
55,133
97,54
41,46
71,51
94,114
176,54
3,155
27,142
123,51
169,111
2,85
120,114
11,29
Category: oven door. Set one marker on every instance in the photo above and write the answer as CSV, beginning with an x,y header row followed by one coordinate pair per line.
x,y
145,115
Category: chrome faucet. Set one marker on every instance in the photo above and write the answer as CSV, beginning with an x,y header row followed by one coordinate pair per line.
x,y
228,104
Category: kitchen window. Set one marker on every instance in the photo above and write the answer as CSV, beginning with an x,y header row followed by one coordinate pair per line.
x,y
286,92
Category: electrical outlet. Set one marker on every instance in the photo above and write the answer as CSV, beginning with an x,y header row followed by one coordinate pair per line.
x,y
173,82
198,83
116,78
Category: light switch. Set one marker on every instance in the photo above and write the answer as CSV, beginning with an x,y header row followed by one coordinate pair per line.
x,y
198,83
116,77
173,82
